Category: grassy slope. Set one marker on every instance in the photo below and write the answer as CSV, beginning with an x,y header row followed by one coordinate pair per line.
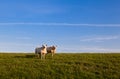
x,y
62,66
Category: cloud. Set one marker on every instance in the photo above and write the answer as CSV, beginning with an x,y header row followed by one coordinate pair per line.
x,y
99,49
100,39
60,24
28,10
16,47
17,37
92,49
43,9
23,38
14,44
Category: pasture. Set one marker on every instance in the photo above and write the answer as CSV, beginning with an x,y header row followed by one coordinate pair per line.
x,y
61,66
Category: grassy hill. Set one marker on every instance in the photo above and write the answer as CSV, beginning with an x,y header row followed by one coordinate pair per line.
x,y
62,66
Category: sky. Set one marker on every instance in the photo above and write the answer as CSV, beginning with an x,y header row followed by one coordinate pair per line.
x,y
72,25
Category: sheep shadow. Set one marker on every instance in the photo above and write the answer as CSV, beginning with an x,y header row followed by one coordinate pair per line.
x,y
30,56
25,56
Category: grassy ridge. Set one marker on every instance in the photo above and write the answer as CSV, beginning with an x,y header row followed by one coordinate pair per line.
x,y
62,66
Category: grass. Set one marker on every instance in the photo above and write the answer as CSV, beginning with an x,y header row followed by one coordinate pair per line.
x,y
62,66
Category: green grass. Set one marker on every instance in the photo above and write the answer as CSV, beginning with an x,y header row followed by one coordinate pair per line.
x,y
62,66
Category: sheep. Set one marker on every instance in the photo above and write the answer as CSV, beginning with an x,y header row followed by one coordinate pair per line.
x,y
41,51
51,49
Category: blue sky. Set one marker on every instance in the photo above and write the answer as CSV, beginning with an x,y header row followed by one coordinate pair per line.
x,y
72,25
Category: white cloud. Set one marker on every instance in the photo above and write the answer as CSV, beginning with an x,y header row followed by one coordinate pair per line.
x,y
92,49
23,38
100,39
99,49
27,10
16,47
14,44
63,24
17,37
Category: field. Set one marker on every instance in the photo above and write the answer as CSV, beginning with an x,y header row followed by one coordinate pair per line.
x,y
62,66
